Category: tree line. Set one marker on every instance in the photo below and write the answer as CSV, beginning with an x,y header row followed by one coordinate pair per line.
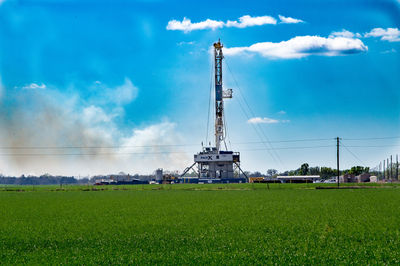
x,y
305,169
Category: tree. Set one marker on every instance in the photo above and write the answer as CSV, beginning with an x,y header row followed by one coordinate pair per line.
x,y
314,170
255,174
304,169
327,172
271,172
357,170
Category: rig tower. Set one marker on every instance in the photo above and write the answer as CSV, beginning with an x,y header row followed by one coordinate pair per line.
x,y
212,162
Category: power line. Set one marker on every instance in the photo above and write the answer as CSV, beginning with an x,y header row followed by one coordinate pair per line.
x,y
146,153
355,156
87,154
178,145
291,148
280,141
372,138
91,147
251,111
372,146
255,129
209,103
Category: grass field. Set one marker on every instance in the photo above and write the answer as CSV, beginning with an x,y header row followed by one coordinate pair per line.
x,y
199,224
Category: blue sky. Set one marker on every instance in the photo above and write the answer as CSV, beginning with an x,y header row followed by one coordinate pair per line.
x,y
134,74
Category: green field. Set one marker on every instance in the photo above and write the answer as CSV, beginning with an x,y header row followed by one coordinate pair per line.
x,y
199,224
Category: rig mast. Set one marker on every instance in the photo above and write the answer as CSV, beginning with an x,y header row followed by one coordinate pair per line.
x,y
213,162
219,99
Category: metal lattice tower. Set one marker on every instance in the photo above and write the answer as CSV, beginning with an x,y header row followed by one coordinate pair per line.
x,y
219,102
212,162
220,94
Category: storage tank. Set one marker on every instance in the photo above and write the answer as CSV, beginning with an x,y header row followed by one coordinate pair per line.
x,y
159,174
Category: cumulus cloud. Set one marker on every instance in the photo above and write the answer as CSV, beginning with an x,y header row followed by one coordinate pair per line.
x,y
344,33
186,25
389,34
75,137
289,20
248,21
34,86
185,43
302,46
262,120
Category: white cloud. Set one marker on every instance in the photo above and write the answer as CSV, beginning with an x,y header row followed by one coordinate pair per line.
x,y
282,112
186,25
344,33
302,46
248,21
389,51
185,43
262,120
289,20
389,34
125,93
34,86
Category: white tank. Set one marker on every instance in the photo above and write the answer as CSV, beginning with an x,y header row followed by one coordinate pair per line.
x,y
159,174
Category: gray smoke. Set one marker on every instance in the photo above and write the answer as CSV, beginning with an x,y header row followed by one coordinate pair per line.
x,y
47,120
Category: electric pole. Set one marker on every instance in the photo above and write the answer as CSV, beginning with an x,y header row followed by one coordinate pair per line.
x,y
397,167
384,174
391,168
337,159
387,170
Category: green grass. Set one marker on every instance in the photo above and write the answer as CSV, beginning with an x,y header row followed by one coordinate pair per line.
x,y
199,224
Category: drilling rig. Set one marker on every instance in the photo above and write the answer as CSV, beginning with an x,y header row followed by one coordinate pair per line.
x,y
213,162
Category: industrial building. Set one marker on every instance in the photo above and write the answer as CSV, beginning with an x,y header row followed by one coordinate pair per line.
x,y
349,178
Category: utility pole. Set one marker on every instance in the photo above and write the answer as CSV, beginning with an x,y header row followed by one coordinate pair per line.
x,y
391,168
387,166
397,167
337,160
384,174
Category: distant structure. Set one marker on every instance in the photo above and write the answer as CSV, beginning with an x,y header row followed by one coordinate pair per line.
x,y
349,178
159,175
212,162
298,178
